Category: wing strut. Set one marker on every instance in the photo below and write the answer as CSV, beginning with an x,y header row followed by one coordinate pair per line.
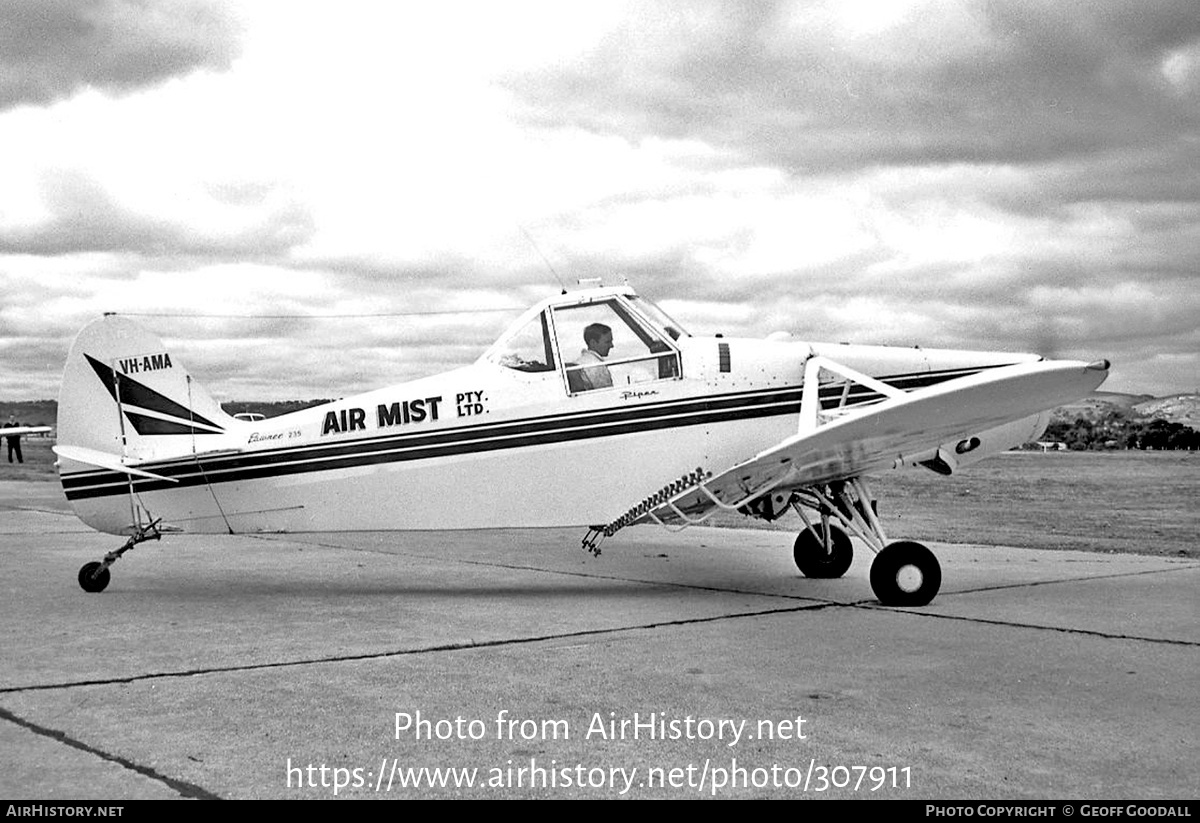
x,y
850,502
810,401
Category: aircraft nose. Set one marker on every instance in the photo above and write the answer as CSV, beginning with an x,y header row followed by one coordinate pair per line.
x,y
1099,365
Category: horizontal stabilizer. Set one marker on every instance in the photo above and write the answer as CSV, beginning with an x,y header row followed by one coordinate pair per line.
x,y
16,431
104,460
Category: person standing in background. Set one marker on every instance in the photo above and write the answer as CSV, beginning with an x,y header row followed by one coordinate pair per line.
x,y
14,440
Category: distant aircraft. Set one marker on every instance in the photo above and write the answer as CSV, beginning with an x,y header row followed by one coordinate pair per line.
x,y
595,409
14,431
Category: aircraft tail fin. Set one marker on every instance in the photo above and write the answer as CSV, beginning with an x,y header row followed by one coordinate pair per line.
x,y
124,394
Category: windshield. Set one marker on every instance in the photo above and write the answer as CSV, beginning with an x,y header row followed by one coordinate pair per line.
x,y
526,348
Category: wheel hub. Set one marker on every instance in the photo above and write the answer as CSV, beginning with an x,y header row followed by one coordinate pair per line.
x,y
909,578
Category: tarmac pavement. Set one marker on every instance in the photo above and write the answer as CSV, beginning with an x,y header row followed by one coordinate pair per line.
x,y
676,665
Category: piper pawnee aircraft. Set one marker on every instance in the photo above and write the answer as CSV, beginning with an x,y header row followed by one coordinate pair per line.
x,y
547,428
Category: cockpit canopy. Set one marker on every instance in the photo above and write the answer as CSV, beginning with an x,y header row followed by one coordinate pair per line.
x,y
597,339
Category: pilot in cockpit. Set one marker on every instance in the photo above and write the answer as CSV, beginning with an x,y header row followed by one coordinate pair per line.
x,y
599,340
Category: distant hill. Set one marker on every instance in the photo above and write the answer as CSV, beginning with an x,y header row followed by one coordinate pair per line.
x,y
270,408
31,412
1102,401
1177,408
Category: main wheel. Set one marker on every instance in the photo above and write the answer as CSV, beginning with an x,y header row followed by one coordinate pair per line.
x,y
905,574
811,558
91,580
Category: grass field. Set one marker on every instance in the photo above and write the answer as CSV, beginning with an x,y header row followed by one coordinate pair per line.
x,y
1128,501
39,460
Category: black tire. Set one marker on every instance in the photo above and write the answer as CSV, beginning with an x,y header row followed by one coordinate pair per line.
x,y
812,559
905,574
90,580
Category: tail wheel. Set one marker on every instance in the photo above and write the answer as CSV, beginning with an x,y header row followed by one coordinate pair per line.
x,y
93,577
905,574
813,560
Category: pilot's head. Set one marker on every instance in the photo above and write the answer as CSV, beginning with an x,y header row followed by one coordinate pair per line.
x,y
598,338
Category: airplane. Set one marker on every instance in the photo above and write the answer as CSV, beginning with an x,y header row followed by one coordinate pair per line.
x,y
544,429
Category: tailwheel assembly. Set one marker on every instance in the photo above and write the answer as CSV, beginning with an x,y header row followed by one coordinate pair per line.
x,y
94,576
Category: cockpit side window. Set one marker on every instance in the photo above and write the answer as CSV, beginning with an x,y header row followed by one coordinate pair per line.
x,y
528,350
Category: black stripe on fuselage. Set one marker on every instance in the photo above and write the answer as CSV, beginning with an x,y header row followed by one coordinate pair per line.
x,y
514,434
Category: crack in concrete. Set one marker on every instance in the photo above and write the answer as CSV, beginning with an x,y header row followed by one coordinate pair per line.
x,y
186,790
865,604
986,621
862,605
382,655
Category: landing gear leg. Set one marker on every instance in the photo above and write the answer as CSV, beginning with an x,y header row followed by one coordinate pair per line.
x,y
94,576
903,573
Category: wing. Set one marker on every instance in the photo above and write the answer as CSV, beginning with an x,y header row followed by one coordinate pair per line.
x,y
885,435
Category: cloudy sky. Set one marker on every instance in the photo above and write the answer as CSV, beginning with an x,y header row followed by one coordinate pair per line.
x,y
309,199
